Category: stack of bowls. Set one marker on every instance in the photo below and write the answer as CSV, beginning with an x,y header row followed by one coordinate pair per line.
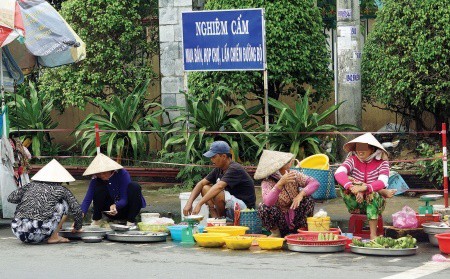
x,y
434,228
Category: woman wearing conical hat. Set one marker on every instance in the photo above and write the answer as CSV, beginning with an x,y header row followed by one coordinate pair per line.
x,y
286,193
363,177
43,206
112,190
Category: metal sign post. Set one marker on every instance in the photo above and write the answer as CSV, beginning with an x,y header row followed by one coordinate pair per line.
x,y
444,165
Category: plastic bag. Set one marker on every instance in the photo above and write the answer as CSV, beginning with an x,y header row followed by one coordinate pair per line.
x,y
237,214
321,213
405,219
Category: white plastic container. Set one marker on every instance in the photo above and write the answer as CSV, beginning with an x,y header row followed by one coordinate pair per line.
x,y
204,211
216,222
149,218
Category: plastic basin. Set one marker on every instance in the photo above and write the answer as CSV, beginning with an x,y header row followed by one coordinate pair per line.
x,y
238,242
152,227
255,237
270,243
231,230
317,161
310,239
176,231
332,230
210,240
444,242
318,224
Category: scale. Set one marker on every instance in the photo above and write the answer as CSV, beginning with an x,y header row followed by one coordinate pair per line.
x,y
427,208
187,234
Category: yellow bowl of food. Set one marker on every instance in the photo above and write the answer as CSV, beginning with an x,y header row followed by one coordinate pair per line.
x,y
270,243
210,240
231,230
238,242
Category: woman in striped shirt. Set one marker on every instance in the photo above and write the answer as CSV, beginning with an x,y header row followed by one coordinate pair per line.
x,y
363,178
43,206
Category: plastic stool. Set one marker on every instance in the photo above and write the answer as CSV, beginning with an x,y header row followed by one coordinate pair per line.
x,y
356,223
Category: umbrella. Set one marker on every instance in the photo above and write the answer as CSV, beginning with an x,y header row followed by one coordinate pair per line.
x,y
32,33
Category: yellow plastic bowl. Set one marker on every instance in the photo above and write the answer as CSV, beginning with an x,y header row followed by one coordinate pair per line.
x,y
270,243
238,242
318,161
210,239
232,230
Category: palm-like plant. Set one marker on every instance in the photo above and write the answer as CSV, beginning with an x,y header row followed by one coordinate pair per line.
x,y
32,113
203,116
295,130
127,117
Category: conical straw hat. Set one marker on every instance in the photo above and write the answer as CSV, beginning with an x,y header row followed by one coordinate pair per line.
x,y
270,162
53,172
366,138
102,163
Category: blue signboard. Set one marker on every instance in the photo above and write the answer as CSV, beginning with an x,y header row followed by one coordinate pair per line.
x,y
225,40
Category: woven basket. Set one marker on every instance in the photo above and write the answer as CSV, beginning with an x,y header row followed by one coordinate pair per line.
x,y
251,219
325,178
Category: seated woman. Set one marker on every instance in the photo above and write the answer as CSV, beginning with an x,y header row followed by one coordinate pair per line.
x,y
43,206
286,194
364,176
112,190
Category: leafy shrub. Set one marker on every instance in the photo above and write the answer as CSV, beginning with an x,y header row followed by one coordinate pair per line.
x,y
405,61
430,169
295,129
31,111
189,175
201,117
122,115
297,54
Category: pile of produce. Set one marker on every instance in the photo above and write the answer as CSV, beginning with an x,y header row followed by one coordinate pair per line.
x,y
387,242
327,236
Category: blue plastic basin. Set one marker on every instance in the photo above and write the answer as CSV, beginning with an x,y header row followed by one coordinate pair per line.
x,y
175,231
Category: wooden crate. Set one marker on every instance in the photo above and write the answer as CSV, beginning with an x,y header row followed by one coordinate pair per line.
x,y
418,233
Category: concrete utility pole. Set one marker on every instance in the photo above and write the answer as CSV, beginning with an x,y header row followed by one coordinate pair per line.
x,y
348,65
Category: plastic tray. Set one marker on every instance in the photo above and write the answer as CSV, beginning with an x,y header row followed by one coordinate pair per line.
x,y
119,227
135,236
433,227
91,239
309,239
98,232
316,249
383,251
332,230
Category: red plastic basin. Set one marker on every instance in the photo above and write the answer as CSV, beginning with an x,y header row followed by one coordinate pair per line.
x,y
444,242
332,230
425,218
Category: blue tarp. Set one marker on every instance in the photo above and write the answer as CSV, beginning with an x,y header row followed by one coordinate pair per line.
x,y
396,182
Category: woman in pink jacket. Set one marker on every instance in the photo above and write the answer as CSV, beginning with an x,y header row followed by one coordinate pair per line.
x,y
363,177
286,194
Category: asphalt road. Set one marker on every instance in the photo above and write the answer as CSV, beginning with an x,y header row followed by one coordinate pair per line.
x,y
170,260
